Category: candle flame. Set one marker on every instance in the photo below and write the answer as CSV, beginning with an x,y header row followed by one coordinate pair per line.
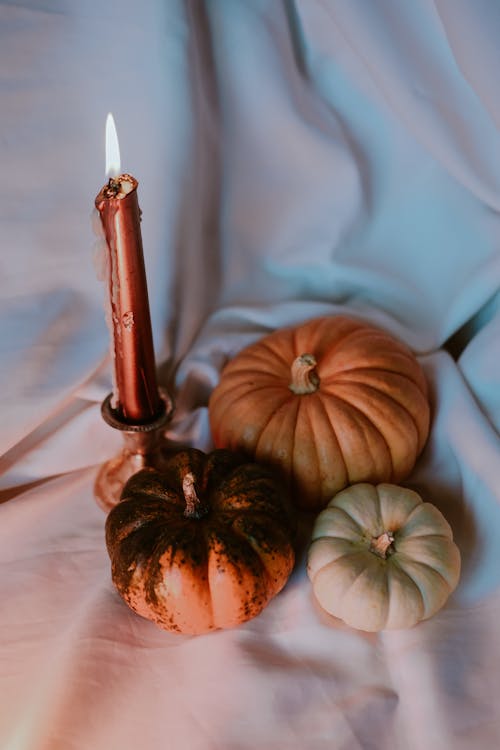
x,y
113,165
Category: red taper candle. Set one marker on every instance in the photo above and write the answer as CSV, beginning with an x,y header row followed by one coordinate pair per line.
x,y
136,398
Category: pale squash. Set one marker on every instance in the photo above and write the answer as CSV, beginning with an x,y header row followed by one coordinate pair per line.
x,y
381,558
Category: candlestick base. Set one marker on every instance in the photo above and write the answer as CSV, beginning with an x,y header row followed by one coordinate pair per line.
x,y
143,446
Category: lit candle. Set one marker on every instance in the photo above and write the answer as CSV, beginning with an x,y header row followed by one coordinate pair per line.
x,y
135,397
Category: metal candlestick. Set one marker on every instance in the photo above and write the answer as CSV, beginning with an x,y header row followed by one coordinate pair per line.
x,y
144,445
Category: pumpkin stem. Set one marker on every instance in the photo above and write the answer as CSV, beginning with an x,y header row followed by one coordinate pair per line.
x,y
380,544
304,377
194,507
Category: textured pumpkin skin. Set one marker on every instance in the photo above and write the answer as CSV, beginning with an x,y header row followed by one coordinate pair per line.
x,y
367,421
196,574
370,590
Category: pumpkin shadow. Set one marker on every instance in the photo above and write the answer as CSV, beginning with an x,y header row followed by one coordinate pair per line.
x,y
305,524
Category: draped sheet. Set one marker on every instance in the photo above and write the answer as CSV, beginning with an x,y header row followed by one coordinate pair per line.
x,y
295,158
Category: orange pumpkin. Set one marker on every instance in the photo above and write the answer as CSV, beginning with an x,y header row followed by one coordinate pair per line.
x,y
204,543
331,402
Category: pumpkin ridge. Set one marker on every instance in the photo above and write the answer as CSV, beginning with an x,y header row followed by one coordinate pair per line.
x,y
303,407
381,396
121,529
360,410
424,506
259,548
236,482
322,404
275,352
290,399
311,330
395,561
166,503
345,557
287,397
339,509
378,368
366,571
419,563
220,407
410,581
259,506
421,437
358,332
189,564
208,534
402,558
210,592
222,532
252,488
380,521
295,443
425,535
244,359
246,387
372,332
229,398
245,559
365,510
308,406
143,527
136,536
262,425
153,494
156,573
351,381
333,343
372,424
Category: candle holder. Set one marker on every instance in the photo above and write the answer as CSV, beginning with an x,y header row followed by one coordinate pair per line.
x,y
144,445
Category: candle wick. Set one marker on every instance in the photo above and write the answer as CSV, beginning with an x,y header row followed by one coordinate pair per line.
x,y
113,187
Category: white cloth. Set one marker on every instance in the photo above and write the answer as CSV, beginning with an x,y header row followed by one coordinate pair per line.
x,y
294,159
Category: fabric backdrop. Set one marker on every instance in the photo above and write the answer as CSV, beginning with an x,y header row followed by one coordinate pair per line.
x,y
295,158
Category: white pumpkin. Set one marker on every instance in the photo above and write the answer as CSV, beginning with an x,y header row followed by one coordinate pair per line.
x,y
382,558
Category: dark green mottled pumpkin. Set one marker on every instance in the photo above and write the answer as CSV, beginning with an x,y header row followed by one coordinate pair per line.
x,y
204,543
